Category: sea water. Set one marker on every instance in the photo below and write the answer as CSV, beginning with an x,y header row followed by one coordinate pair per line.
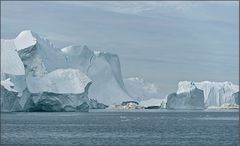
x,y
121,127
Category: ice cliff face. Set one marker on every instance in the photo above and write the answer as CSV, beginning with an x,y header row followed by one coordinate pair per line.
x,y
35,76
10,61
42,57
198,95
215,93
60,81
193,98
103,69
236,96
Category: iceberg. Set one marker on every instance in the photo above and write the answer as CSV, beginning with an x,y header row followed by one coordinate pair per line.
x,y
141,90
206,94
215,93
35,76
127,105
161,103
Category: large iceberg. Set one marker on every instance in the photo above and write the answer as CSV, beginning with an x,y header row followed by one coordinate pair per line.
x,y
36,76
206,94
215,93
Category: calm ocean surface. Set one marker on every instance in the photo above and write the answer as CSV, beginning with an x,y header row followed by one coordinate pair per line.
x,y
123,127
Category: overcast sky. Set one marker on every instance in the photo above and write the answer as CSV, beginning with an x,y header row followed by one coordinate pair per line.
x,y
162,42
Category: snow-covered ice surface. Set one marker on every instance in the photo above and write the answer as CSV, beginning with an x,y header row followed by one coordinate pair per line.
x,y
25,40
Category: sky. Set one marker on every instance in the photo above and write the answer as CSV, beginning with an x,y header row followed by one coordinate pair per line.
x,y
163,42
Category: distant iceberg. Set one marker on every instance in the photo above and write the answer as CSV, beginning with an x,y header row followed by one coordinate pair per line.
x,y
140,90
215,94
161,103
